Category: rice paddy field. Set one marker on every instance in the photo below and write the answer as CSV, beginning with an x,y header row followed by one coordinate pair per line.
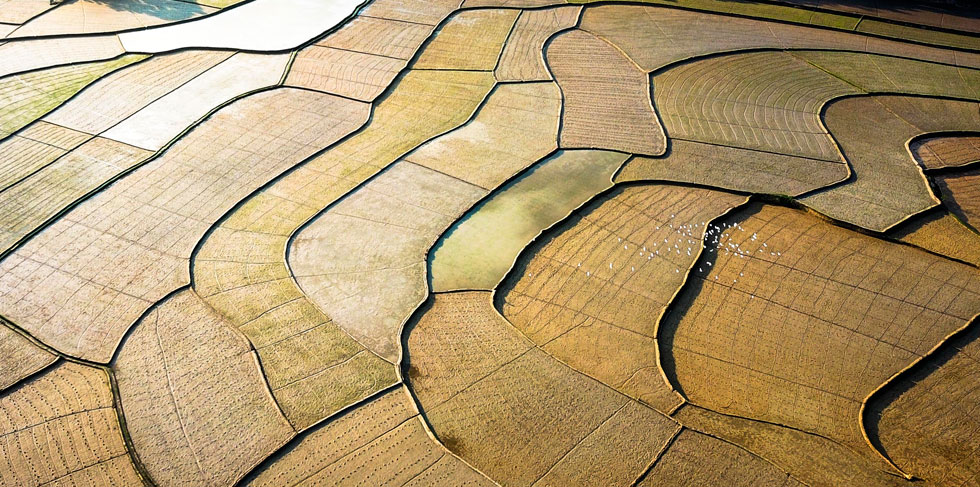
x,y
489,243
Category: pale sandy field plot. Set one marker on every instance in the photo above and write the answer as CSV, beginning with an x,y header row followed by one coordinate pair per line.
x,y
489,242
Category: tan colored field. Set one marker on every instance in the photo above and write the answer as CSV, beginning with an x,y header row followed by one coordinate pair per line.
x,y
735,168
962,194
696,459
942,233
29,96
19,358
254,290
516,413
35,55
925,420
946,151
197,417
33,148
522,58
811,458
809,322
115,97
599,104
130,244
59,428
488,243
888,185
43,192
593,290
363,260
471,40
516,126
351,74
382,442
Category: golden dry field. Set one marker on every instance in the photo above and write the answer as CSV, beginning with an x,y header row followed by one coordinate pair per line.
x,y
419,243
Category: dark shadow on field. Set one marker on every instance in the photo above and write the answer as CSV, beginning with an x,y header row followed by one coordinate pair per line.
x,y
692,288
519,270
168,10
878,403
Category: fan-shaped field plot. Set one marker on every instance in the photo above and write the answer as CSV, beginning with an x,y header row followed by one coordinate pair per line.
x,y
196,407
961,192
470,40
95,16
888,185
241,271
797,320
19,357
592,291
80,283
654,37
59,428
380,442
29,96
926,421
734,168
768,101
522,58
480,248
942,151
607,107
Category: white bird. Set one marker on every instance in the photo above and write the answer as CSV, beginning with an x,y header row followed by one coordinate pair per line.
x,y
632,269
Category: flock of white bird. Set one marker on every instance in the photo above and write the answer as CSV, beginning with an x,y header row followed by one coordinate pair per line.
x,y
684,238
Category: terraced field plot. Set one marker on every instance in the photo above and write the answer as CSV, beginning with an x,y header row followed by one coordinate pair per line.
x,y
488,242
